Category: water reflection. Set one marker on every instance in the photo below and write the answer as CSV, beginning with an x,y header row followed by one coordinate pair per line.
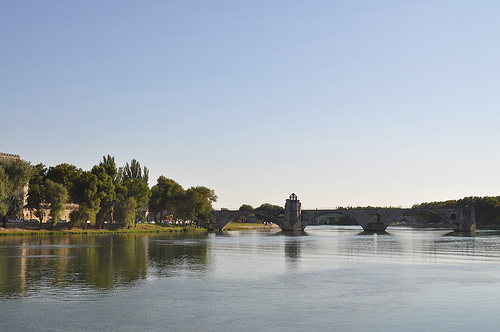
x,y
374,233
332,279
292,249
172,257
292,233
71,265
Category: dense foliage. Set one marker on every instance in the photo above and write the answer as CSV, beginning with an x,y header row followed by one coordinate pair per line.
x,y
169,201
103,194
14,175
487,208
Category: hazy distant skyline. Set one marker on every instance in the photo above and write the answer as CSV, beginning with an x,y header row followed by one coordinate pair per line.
x,y
344,103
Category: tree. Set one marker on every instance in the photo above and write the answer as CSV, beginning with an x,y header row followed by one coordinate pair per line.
x,y
126,211
267,206
131,181
245,207
45,194
110,166
133,171
106,191
3,191
197,204
139,191
66,175
56,196
14,175
167,196
86,194
154,203
37,195
76,217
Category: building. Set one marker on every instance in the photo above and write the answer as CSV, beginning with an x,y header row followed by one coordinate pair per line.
x,y
9,155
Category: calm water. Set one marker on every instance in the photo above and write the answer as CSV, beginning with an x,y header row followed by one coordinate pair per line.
x,y
328,279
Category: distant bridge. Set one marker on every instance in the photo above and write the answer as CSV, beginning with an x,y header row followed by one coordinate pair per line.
x,y
293,218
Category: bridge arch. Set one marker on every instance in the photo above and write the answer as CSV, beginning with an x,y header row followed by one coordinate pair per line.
x,y
450,220
334,213
380,219
220,219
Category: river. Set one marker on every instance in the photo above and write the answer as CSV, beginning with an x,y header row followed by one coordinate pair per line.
x,y
330,278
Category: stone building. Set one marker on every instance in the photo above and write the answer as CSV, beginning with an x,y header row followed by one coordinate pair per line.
x,y
9,155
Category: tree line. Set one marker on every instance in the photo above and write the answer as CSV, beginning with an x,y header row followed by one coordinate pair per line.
x,y
487,208
106,193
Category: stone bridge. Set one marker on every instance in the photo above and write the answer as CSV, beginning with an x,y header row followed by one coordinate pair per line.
x,y
293,218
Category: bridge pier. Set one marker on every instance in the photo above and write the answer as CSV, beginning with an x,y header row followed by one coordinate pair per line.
x,y
464,228
374,227
461,220
293,215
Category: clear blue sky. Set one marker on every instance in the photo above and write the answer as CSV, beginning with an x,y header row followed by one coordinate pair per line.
x,y
345,103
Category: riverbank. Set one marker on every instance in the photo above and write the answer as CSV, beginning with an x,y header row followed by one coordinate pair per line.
x,y
63,229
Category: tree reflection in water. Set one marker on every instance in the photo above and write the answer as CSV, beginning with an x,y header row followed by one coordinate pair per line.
x,y
174,256
69,266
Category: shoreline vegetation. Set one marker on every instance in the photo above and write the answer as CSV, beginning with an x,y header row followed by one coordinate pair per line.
x,y
106,194
33,228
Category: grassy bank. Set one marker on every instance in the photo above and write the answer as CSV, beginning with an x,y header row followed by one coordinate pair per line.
x,y
63,229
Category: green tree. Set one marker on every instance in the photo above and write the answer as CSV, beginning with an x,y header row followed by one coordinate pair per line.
x,y
167,198
139,191
3,191
85,193
110,166
132,181
56,196
197,204
245,207
154,203
106,191
37,201
14,176
45,195
267,206
66,175
133,171
126,211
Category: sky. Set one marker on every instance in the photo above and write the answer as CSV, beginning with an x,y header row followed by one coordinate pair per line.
x,y
344,103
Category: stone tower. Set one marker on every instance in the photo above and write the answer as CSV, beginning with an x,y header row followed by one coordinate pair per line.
x,y
293,213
